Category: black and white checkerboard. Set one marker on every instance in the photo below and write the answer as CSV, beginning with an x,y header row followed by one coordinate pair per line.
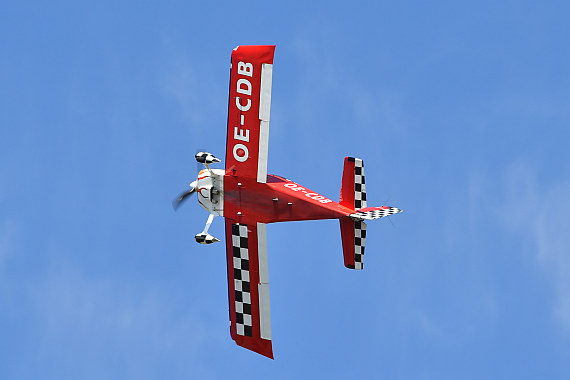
x,y
242,280
359,242
375,214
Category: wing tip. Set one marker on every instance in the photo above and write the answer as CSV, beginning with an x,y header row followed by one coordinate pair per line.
x,y
258,345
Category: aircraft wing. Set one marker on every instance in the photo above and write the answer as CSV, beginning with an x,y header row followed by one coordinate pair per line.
x,y
248,286
248,111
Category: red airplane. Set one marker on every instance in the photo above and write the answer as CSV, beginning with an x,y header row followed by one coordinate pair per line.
x,y
249,198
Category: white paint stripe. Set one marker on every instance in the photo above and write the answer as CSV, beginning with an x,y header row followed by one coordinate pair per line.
x,y
264,312
263,151
265,91
263,286
264,114
262,253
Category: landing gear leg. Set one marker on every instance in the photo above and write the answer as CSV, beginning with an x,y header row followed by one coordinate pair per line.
x,y
208,223
204,237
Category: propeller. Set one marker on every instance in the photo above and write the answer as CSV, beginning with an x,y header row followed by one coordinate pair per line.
x,y
183,196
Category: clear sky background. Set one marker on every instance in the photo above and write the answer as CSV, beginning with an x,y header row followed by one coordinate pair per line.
x,y
460,111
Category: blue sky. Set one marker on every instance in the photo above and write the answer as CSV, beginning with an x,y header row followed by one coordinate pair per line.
x,y
460,111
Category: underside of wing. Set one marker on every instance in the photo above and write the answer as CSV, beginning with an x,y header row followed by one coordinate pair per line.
x,y
248,111
248,286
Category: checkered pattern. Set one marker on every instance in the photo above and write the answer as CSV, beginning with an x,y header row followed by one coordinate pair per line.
x,y
375,214
359,186
359,240
242,280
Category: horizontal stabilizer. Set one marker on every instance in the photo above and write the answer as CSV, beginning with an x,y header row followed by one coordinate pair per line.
x,y
371,213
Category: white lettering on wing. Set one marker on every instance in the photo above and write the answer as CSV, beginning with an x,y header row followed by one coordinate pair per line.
x,y
244,86
240,106
243,104
237,149
241,134
245,69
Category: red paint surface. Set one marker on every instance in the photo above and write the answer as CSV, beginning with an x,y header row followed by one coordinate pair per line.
x,y
347,236
256,56
347,187
255,201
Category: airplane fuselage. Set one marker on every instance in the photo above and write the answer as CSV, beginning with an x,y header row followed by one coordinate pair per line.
x,y
278,200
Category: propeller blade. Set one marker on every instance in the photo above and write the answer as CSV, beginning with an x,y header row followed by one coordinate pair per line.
x,y
182,197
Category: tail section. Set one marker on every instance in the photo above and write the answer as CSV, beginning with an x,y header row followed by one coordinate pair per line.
x,y
353,196
353,228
